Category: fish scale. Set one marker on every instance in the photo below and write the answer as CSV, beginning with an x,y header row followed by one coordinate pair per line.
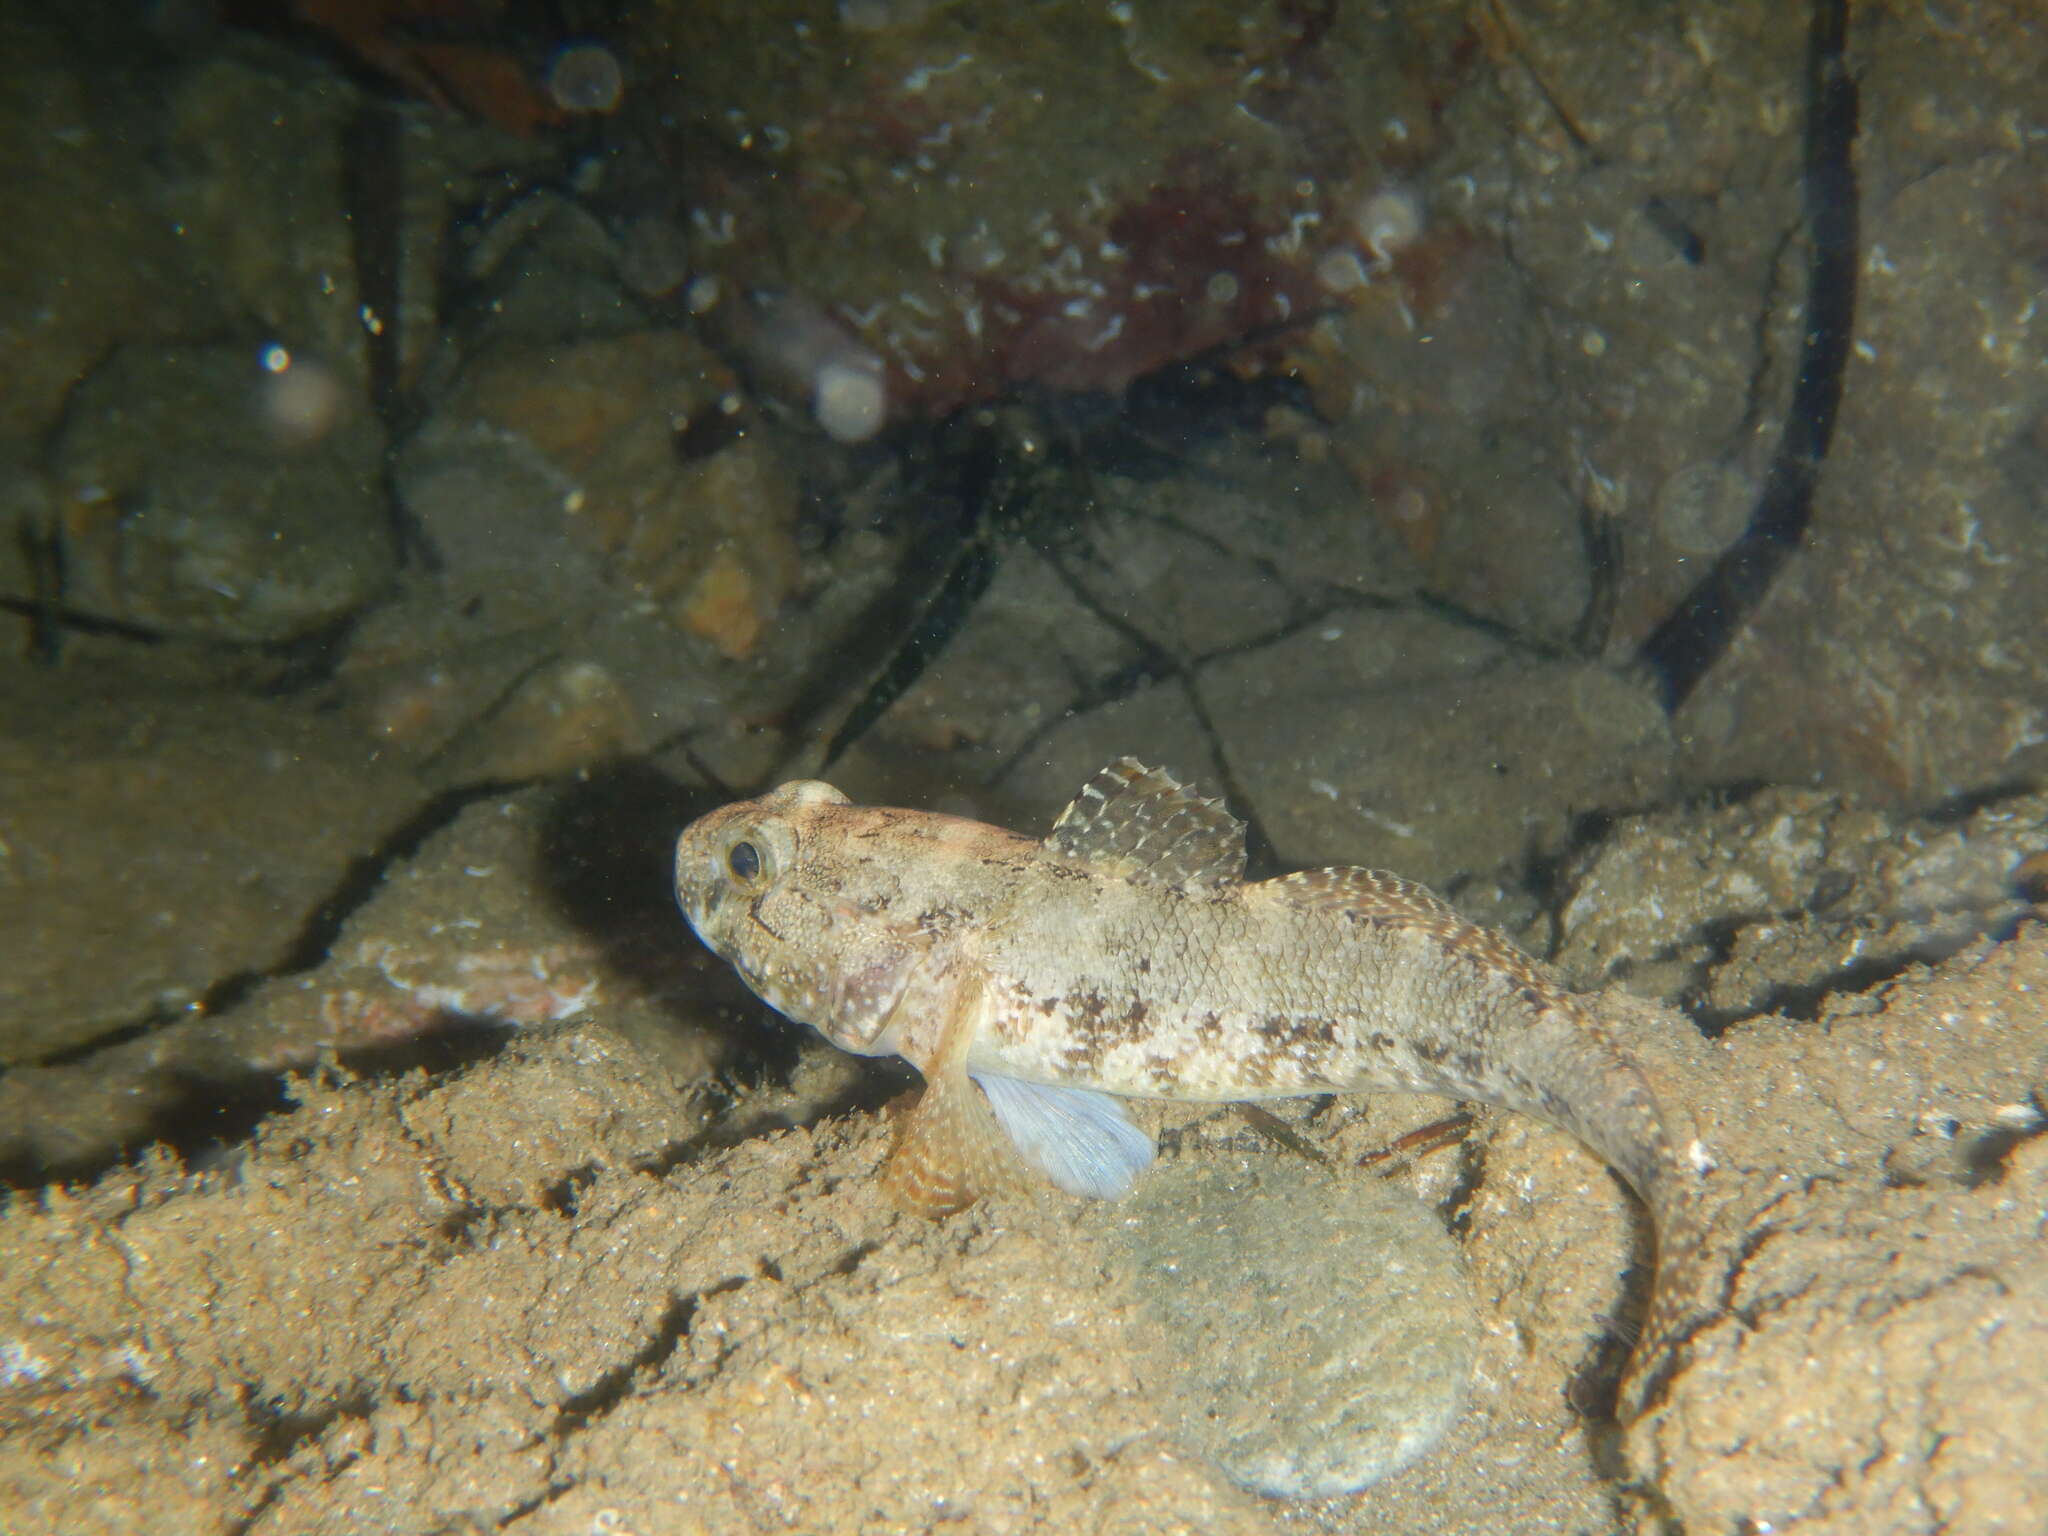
x,y
1034,984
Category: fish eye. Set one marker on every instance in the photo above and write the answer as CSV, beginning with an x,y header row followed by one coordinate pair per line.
x,y
755,853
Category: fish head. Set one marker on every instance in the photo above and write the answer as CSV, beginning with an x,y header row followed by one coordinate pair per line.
x,y
828,911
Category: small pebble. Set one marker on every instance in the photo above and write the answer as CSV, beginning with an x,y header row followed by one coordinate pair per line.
x,y
1309,1334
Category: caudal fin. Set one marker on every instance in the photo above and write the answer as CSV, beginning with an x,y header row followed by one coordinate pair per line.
x,y
1687,1297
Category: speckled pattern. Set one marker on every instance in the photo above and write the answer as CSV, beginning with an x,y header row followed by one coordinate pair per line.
x,y
1122,956
1311,1334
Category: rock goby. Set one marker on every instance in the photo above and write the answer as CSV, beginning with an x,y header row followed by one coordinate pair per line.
x,y
1035,983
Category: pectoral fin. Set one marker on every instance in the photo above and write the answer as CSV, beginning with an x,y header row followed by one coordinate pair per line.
x,y
1080,1139
966,1137
949,1149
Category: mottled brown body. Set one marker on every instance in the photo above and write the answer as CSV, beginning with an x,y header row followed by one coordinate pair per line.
x,y
1126,955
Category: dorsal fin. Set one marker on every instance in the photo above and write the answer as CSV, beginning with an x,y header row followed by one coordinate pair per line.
x,y
1384,898
949,1149
1140,824
1369,890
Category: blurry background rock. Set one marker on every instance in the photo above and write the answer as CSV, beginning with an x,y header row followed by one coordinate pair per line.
x,y
96,258
1427,746
1068,195
612,505
259,139
519,912
667,474
1581,306
157,848
174,182
1896,645
200,500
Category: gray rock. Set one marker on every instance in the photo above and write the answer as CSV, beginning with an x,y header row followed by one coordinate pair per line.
x,y
1308,1334
1788,892
493,507
259,137
1029,653
193,507
92,258
1897,655
1236,551
1154,724
1403,741
1154,567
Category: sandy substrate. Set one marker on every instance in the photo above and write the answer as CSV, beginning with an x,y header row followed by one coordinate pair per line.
x,y
523,1296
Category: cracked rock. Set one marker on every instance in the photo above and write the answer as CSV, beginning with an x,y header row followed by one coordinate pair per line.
x,y
1789,893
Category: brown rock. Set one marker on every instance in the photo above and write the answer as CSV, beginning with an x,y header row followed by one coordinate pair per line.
x,y
663,472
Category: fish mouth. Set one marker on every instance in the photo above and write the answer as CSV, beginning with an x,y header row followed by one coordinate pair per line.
x,y
699,886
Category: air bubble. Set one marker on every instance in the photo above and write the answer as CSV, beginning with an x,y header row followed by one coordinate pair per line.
x,y
585,77
850,399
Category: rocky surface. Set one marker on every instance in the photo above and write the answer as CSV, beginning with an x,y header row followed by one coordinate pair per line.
x,y
523,1294
152,850
656,464
195,506
516,913
1403,741
948,203
92,264
1927,522
1864,1312
1563,393
496,1202
1788,893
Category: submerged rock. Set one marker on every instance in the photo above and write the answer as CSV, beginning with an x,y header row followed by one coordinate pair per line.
x,y
156,845
187,505
1309,1334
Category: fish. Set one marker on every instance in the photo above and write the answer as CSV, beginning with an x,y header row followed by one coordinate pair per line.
x,y
1038,983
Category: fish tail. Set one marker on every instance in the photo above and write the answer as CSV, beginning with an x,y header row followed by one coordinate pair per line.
x,y
1686,1294
1611,1106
